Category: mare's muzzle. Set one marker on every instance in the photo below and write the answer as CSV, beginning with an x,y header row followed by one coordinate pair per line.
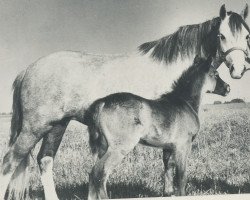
x,y
223,56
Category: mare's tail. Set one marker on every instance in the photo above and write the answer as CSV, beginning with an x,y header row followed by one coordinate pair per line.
x,y
17,116
19,184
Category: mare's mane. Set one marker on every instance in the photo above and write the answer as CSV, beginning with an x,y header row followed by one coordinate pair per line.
x,y
197,39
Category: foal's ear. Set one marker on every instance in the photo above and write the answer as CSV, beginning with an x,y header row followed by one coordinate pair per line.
x,y
244,12
208,63
197,59
223,11
209,60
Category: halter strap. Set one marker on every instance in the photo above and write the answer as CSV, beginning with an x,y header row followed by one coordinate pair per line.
x,y
224,54
193,111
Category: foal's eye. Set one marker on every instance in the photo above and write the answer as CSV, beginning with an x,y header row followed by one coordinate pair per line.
x,y
221,36
247,37
214,74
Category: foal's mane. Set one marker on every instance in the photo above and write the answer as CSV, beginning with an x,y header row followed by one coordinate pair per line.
x,y
181,86
197,39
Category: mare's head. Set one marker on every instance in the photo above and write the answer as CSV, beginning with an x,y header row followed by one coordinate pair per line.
x,y
224,37
212,81
233,35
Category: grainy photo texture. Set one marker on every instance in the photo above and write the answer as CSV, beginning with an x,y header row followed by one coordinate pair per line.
x,y
124,99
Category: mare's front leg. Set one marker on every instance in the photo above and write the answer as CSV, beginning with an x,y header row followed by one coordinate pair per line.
x,y
46,155
169,169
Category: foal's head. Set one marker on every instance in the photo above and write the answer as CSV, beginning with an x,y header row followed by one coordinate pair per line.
x,y
212,83
198,78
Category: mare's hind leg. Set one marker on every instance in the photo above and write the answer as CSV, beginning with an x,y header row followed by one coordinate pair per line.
x,y
169,166
46,155
27,139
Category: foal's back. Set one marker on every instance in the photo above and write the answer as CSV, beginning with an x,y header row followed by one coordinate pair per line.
x,y
119,116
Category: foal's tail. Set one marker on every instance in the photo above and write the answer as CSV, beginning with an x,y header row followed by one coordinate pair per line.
x,y
93,123
18,187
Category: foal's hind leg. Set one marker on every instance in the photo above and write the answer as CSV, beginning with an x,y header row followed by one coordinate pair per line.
x,y
46,155
100,173
118,148
169,165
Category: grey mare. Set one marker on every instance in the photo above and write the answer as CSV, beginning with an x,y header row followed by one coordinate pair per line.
x,y
60,87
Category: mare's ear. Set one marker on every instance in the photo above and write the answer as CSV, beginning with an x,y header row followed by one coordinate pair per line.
x,y
223,12
244,12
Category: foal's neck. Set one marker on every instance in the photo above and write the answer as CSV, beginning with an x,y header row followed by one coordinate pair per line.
x,y
188,90
194,101
195,93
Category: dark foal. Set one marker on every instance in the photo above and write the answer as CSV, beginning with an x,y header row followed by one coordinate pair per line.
x,y
119,121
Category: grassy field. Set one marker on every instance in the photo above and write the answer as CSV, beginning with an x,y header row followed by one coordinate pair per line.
x,y
219,163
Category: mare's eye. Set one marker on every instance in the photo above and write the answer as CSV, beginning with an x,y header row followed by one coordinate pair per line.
x,y
221,36
247,37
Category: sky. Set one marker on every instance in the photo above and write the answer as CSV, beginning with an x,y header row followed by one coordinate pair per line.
x,y
30,29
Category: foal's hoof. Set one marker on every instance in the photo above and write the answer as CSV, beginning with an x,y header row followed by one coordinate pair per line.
x,y
168,194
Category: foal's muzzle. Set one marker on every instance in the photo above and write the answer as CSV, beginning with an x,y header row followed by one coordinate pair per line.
x,y
222,89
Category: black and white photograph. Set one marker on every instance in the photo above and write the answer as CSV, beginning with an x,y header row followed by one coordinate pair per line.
x,y
124,99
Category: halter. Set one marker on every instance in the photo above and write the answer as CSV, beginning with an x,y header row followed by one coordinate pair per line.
x,y
224,54
221,55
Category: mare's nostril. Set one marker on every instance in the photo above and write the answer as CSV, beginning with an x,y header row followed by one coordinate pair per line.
x,y
231,69
244,70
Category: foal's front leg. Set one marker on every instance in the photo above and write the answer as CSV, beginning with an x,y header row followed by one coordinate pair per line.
x,y
169,166
181,172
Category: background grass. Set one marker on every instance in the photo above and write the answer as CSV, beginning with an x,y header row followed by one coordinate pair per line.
x,y
219,163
